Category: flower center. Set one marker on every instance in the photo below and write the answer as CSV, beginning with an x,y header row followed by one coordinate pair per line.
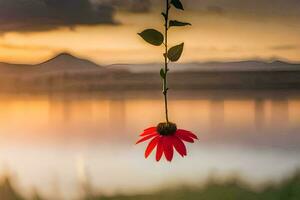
x,y
166,128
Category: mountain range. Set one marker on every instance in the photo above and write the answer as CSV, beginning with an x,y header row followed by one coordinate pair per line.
x,y
67,73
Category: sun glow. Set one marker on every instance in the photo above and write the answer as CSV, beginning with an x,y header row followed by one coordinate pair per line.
x,y
108,44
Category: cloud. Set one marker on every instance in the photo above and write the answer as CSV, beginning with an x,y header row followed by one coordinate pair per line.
x,y
253,7
256,8
37,15
139,6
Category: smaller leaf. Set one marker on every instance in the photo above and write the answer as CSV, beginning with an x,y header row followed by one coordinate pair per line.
x,y
178,23
152,36
177,4
162,74
175,52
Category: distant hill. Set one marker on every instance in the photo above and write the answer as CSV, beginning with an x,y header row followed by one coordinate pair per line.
x,y
66,72
240,66
62,63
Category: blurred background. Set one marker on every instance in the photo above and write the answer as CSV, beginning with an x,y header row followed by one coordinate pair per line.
x,y
77,87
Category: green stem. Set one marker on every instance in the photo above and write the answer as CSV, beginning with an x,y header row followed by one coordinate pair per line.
x,y
165,82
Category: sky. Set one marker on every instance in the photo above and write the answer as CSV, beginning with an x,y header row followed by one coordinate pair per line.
x,y
105,31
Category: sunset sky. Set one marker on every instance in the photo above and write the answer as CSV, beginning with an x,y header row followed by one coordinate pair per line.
x,y
105,30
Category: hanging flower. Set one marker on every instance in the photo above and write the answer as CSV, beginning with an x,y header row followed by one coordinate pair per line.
x,y
165,138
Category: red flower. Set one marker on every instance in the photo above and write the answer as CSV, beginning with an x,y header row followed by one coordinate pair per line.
x,y
164,137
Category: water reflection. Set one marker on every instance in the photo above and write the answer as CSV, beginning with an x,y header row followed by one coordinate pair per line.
x,y
217,108
48,136
90,116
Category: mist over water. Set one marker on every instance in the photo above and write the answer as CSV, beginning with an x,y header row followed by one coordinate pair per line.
x,y
57,142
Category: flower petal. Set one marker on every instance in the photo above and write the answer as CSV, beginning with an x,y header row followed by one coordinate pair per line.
x,y
168,147
159,149
187,133
151,146
148,131
179,146
184,137
147,138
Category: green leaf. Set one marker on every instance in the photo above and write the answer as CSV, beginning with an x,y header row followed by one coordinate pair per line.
x,y
152,36
178,23
177,4
162,74
175,52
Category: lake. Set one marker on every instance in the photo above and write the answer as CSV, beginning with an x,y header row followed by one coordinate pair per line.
x,y
58,142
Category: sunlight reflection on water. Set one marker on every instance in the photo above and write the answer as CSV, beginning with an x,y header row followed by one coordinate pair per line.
x,y
57,142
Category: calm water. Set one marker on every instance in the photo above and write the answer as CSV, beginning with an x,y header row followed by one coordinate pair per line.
x,y
56,143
